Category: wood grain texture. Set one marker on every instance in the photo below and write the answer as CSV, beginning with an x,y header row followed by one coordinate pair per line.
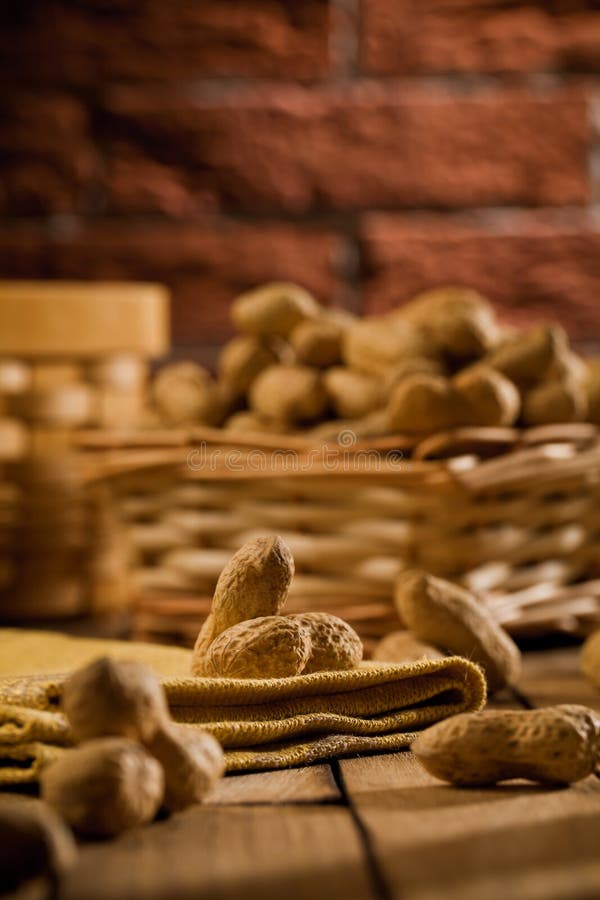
x,y
312,784
555,676
432,840
205,853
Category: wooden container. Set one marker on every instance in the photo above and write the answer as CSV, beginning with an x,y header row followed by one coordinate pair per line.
x,y
512,514
72,356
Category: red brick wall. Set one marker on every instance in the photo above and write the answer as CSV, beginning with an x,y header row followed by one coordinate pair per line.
x,y
366,148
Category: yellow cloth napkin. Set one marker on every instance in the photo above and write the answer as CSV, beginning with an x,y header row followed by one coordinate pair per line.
x,y
262,724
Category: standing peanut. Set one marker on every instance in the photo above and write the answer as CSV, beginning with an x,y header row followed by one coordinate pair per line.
x,y
255,582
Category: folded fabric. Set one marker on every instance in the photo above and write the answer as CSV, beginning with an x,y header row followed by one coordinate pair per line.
x,y
262,724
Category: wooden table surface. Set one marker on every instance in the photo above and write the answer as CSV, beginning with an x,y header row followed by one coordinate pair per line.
x,y
370,828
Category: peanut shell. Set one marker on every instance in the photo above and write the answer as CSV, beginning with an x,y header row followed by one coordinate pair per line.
x,y
266,647
403,646
334,644
288,394
114,697
273,309
445,615
421,404
241,360
492,399
193,762
352,394
460,322
555,745
104,786
255,582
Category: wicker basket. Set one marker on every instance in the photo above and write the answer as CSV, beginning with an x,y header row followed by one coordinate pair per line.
x,y
514,515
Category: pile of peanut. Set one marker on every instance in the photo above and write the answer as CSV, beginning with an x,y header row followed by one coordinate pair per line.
x,y
131,759
438,362
245,635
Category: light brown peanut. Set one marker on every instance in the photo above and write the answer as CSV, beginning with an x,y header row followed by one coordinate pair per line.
x,y
526,357
445,615
255,582
333,643
185,393
288,394
241,360
553,402
193,762
266,647
420,404
317,342
114,697
492,399
352,394
460,322
555,745
403,646
105,786
376,345
273,309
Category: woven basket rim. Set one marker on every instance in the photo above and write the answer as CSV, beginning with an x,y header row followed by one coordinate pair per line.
x,y
475,458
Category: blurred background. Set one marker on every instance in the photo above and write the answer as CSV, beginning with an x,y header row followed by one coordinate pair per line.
x,y
366,149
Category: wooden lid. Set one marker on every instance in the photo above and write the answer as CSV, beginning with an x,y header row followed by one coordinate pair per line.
x,y
58,318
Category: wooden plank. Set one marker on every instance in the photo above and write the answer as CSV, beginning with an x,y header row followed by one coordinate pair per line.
x,y
312,784
205,853
433,840
554,676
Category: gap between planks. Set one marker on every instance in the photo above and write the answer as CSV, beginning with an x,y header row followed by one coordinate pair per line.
x,y
428,840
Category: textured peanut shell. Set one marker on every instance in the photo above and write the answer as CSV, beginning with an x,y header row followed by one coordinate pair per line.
x,y
185,393
273,309
193,761
459,320
555,745
291,394
375,345
241,360
267,647
114,697
104,786
334,644
554,401
255,582
317,342
492,399
447,616
421,404
527,356
403,646
352,394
